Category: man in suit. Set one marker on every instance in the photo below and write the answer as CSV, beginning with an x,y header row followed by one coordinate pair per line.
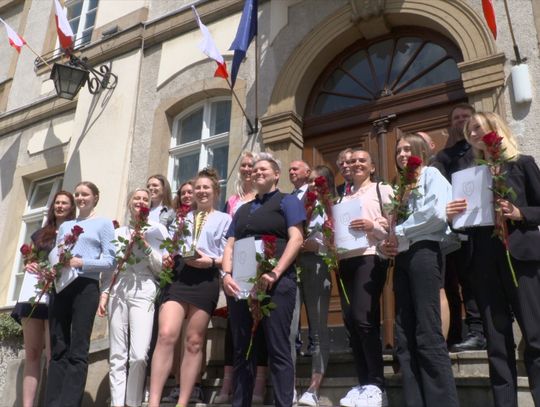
x,y
345,171
457,156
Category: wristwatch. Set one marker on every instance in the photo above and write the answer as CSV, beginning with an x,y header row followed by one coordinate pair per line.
x,y
222,274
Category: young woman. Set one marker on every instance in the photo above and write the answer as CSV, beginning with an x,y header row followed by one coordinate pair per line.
x,y
36,327
245,192
498,298
315,285
72,311
363,274
194,292
130,306
280,215
161,200
421,349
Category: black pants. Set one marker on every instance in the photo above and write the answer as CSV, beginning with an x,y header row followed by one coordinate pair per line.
x,y
458,273
498,298
421,349
276,329
364,278
71,318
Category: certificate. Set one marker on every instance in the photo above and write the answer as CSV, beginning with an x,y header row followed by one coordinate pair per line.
x,y
345,237
245,263
474,185
67,274
29,291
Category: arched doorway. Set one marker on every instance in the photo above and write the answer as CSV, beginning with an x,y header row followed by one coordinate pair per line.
x,y
374,90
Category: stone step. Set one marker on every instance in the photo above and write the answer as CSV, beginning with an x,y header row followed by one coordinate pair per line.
x,y
472,391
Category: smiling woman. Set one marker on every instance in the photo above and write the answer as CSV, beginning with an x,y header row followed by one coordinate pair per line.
x,y
72,311
193,294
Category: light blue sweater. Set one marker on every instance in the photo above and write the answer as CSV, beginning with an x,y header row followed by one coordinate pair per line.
x,y
93,246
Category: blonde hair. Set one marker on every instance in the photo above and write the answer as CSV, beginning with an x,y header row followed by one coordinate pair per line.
x,y
130,197
490,121
239,184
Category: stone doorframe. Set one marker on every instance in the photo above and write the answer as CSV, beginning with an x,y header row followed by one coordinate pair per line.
x,y
482,69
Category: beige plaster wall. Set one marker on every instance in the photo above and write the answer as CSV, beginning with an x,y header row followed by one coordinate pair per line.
x,y
35,152
110,10
183,51
100,147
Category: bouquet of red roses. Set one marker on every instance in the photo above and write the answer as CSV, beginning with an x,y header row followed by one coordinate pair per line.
x,y
175,244
124,254
319,202
496,162
259,301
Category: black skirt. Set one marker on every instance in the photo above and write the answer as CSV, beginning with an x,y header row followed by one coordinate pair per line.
x,y
23,309
198,287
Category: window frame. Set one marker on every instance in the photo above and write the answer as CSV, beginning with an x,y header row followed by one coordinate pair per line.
x,y
31,216
205,145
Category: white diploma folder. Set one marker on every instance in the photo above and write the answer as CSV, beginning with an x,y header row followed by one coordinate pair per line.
x,y
29,290
67,274
245,263
346,238
474,185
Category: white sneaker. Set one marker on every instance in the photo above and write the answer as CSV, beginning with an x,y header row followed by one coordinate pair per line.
x,y
350,398
308,399
372,396
295,398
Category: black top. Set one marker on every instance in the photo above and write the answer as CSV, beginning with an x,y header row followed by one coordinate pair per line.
x,y
452,159
523,176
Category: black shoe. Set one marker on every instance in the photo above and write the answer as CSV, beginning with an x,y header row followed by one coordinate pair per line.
x,y
473,341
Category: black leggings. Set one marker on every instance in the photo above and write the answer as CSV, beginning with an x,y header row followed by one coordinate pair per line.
x,y
364,278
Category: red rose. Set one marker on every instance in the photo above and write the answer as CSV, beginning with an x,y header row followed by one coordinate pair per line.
x,y
491,139
26,249
143,212
311,197
268,239
320,181
414,162
76,231
183,210
115,224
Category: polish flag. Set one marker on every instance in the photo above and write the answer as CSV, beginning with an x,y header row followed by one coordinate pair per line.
x,y
65,34
15,40
489,15
208,47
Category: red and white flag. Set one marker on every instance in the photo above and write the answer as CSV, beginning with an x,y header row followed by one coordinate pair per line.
x,y
15,40
65,33
489,15
208,46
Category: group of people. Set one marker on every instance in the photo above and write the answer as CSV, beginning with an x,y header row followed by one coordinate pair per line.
x,y
420,244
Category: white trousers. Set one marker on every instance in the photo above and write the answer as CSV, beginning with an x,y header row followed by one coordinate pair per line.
x,y
131,317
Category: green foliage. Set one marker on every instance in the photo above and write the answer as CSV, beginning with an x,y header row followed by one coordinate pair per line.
x,y
9,328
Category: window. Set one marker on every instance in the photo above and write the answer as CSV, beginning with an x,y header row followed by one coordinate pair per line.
x,y
383,69
82,18
201,139
34,217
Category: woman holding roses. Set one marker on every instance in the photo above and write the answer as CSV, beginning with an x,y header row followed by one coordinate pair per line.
x,y
193,294
34,323
129,300
363,274
418,228
504,252
281,216
72,310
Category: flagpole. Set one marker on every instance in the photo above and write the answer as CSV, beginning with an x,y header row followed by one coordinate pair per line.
x,y
519,60
257,74
39,56
251,129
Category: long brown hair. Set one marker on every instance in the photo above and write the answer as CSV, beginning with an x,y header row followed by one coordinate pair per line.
x,y
48,232
167,194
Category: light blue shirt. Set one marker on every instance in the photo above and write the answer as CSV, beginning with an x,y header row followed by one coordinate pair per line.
x,y
427,220
94,246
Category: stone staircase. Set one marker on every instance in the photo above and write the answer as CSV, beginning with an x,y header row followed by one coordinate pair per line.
x,y
470,371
